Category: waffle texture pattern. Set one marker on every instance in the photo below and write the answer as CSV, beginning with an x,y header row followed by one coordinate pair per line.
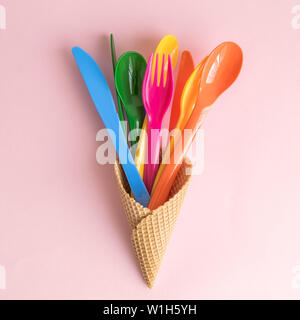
x,y
151,229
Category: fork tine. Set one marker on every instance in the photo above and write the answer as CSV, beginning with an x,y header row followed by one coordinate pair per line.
x,y
162,72
155,81
170,70
148,75
149,65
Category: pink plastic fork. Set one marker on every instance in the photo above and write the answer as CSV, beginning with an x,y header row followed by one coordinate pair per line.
x,y
157,99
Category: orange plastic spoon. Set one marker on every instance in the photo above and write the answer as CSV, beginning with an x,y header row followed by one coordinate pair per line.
x,y
219,72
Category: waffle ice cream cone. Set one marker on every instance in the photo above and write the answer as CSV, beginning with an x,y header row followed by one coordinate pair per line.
x,y
151,229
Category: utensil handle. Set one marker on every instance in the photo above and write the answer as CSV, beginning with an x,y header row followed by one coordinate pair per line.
x,y
152,165
134,124
169,174
135,181
114,62
141,149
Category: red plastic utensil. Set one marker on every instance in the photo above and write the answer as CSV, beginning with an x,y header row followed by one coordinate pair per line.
x,y
186,67
157,98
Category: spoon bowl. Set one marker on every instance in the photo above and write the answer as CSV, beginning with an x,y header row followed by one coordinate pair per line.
x,y
129,75
220,72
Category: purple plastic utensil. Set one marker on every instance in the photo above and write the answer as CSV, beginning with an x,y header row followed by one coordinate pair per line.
x,y
157,99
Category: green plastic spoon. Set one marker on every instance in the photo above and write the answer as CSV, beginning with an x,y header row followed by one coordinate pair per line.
x,y
129,75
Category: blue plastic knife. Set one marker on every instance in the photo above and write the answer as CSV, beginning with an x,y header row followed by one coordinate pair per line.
x,y
103,100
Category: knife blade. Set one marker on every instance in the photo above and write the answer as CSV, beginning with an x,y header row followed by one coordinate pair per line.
x,y
103,101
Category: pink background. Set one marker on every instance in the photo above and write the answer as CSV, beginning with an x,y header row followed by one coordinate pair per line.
x,y
62,230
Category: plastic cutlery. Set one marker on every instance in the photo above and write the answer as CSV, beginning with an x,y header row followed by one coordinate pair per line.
x,y
189,95
103,100
168,45
114,62
186,67
141,149
187,103
219,72
157,97
129,75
